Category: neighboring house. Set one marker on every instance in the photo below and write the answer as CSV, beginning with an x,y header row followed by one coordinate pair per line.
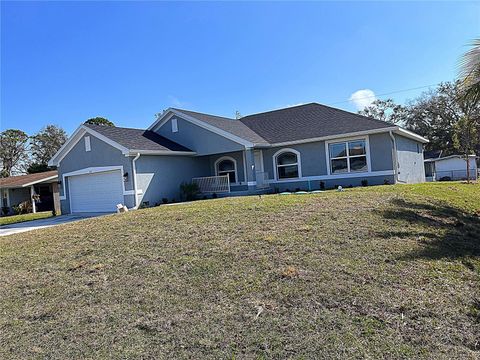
x,y
17,189
288,149
453,167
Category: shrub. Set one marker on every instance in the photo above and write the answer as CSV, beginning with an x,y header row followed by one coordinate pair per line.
x,y
386,182
144,205
23,208
322,185
446,178
5,210
189,191
364,182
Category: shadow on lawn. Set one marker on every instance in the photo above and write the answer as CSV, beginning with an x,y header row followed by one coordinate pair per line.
x,y
448,232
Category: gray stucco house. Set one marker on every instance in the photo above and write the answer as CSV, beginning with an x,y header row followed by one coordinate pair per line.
x,y
287,149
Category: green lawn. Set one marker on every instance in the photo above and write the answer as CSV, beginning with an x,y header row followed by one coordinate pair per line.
x,y
5,220
377,272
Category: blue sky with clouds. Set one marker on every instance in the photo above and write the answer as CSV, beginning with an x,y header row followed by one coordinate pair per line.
x,y
63,62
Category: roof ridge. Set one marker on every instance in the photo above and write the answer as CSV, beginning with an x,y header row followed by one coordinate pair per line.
x,y
281,109
114,127
201,113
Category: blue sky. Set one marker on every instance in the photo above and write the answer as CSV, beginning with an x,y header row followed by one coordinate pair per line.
x,y
63,62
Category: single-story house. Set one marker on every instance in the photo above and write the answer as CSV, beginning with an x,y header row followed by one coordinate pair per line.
x,y
42,187
452,167
303,147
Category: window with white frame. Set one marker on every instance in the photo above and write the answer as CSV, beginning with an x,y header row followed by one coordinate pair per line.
x,y
228,167
287,165
348,156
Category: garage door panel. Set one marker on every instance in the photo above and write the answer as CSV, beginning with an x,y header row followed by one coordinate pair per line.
x,y
98,192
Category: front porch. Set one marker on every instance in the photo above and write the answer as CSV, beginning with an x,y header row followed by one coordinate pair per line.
x,y
235,174
220,186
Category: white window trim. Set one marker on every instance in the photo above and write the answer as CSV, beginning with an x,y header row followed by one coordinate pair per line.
x,y
88,146
234,167
275,165
174,125
340,174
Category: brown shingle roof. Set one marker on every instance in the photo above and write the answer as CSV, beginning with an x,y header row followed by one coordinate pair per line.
x,y
308,121
22,180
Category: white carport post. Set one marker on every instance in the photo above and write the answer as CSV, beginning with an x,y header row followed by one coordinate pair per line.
x,y
32,193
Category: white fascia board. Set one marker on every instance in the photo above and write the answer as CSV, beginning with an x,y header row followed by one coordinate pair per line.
x,y
77,134
161,152
338,136
41,180
411,135
170,112
451,157
162,119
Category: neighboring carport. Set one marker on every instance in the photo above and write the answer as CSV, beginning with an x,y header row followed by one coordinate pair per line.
x,y
41,189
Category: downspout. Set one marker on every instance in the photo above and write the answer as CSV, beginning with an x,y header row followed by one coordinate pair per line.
x,y
134,179
395,160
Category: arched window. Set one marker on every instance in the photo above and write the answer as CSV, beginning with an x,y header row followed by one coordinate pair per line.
x,y
287,162
227,166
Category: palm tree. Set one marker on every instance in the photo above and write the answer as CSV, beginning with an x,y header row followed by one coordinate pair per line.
x,y
470,72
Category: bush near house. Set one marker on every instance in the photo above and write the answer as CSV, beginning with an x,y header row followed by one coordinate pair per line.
x,y
374,272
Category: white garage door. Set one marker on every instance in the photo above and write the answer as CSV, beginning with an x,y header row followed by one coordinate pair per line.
x,y
98,192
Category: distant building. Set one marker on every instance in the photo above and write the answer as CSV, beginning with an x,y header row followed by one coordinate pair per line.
x,y
447,168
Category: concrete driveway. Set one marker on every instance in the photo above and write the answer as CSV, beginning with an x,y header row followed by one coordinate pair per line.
x,y
44,223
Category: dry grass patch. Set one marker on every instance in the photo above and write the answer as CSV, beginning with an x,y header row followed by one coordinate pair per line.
x,y
378,272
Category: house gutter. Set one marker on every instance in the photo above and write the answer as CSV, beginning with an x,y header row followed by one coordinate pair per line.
x,y
134,178
395,160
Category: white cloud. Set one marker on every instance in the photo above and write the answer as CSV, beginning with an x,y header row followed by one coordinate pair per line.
x,y
175,102
363,98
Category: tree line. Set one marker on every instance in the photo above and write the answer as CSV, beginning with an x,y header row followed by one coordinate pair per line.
x,y
444,115
24,154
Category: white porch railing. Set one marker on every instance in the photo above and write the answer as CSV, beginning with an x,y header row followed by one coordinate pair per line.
x,y
262,179
213,184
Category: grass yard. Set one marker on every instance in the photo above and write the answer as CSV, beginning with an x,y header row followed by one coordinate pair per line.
x,y
378,272
6,220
